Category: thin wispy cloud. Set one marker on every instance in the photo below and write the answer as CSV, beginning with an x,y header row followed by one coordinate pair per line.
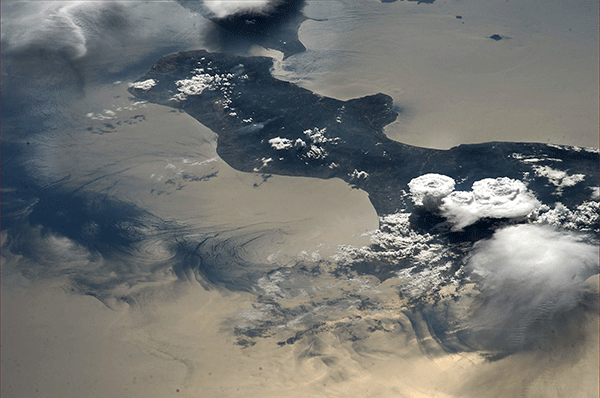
x,y
530,277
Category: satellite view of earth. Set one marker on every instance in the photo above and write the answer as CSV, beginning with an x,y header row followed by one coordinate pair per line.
x,y
300,198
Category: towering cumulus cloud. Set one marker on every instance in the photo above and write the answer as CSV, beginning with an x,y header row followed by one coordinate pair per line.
x,y
429,189
531,280
500,197
489,198
225,8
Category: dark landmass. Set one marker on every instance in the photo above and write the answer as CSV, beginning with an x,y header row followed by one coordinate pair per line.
x,y
254,114
495,37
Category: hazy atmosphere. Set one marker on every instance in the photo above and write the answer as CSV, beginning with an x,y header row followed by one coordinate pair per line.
x,y
296,198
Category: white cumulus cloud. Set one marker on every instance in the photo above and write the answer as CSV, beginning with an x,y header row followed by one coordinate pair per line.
x,y
144,85
280,143
558,178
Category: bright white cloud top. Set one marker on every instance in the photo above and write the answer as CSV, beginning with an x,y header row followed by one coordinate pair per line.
x,y
490,198
500,197
280,143
428,189
144,85
228,8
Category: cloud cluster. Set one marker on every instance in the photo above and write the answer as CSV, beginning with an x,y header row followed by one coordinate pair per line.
x,y
230,8
418,261
559,178
500,197
529,276
584,217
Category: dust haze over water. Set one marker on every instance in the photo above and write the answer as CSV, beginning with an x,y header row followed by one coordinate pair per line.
x,y
132,252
